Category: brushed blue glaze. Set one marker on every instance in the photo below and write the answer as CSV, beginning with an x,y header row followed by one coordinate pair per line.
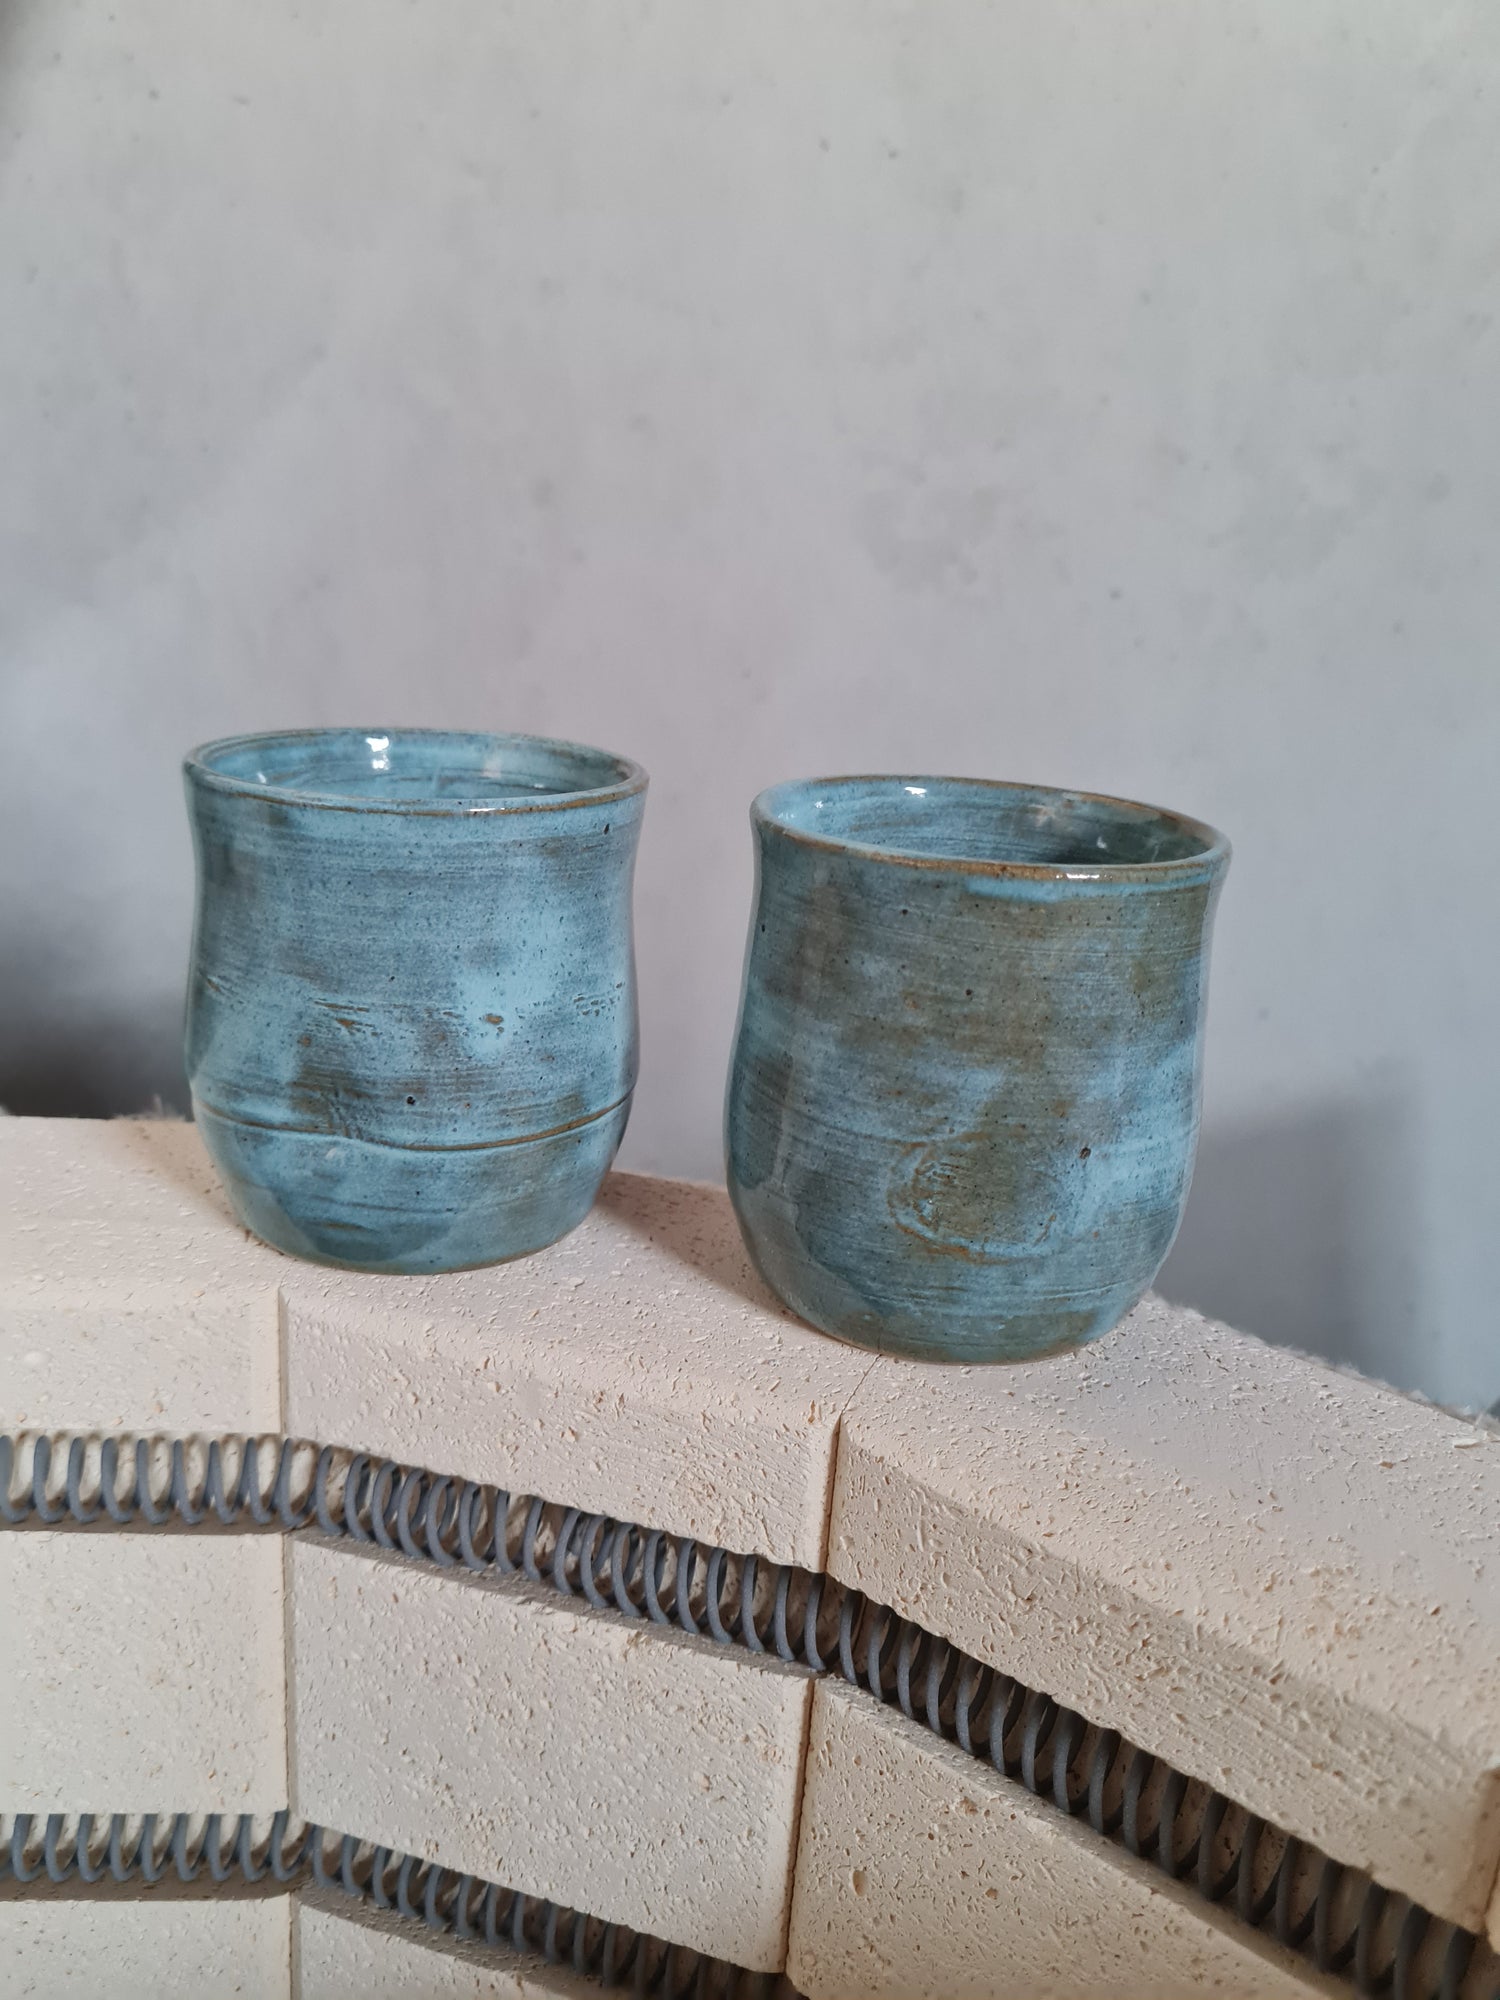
x,y
965,1090
411,1018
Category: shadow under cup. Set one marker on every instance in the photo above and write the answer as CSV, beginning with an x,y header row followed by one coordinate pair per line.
x,y
965,1090
411,1021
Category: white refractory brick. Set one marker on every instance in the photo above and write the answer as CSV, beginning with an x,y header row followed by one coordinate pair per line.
x,y
640,1775
129,1298
637,1368
147,1947
343,1952
144,1672
1282,1579
923,1874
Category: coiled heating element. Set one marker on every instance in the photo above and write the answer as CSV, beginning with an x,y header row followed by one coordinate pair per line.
x,y
1334,1915
153,1849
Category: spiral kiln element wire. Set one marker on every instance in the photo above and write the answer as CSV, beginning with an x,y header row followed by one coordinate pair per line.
x,y
1331,1913
152,1849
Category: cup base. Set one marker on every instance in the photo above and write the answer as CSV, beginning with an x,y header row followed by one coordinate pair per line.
x,y
357,1205
996,1315
1034,1336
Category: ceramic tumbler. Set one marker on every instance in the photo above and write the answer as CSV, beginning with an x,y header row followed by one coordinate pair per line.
x,y
411,1019
965,1088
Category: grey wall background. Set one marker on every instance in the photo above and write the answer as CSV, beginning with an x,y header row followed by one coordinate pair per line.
x,y
1104,394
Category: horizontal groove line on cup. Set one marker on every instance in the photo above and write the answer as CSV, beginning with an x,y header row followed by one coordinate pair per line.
x,y
403,1146
1126,1794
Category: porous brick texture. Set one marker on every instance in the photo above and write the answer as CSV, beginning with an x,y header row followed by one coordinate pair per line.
x,y
922,1875
153,1947
129,1298
637,1369
348,1954
1283,1579
645,1776
144,1672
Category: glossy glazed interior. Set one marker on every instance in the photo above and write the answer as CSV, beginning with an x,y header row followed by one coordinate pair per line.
x,y
410,767
972,822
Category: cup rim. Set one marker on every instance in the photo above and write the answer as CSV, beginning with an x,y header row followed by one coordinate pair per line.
x,y
629,780
1209,861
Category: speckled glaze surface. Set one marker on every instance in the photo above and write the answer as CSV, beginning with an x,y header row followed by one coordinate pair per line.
x,y
411,1017
965,1089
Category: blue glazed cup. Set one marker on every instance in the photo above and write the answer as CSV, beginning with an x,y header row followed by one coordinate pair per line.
x,y
411,1017
965,1089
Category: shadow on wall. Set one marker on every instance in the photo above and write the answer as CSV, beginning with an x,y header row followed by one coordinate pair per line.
x,y
64,1053
94,1068
1303,1230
